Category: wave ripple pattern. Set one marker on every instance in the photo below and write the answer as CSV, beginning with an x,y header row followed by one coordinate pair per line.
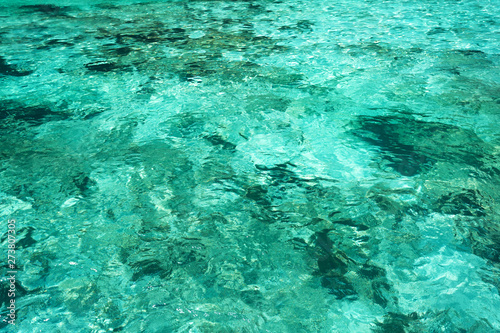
x,y
251,166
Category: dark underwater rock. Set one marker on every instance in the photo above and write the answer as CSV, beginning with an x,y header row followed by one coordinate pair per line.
x,y
8,69
252,297
482,236
123,51
258,193
436,30
339,286
411,146
385,132
33,115
25,237
381,293
280,173
217,140
102,66
48,9
324,242
371,272
466,203
149,267
305,25
330,263
83,183
395,323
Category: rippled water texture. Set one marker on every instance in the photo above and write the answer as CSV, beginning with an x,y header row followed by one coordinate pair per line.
x,y
251,166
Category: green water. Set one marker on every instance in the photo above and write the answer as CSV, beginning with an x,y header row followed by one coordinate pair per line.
x,y
251,166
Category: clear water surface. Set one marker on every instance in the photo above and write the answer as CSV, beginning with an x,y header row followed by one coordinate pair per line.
x,y
251,166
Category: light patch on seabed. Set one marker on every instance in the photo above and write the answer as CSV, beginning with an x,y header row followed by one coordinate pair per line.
x,y
445,277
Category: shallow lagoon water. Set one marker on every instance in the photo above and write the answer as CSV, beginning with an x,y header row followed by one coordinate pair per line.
x,y
251,166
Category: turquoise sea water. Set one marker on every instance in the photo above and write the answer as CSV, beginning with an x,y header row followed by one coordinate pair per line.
x,y
251,166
